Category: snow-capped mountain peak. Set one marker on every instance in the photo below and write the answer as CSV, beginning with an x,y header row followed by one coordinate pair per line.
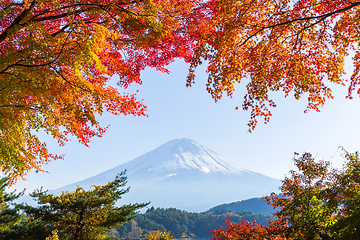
x,y
184,174
179,155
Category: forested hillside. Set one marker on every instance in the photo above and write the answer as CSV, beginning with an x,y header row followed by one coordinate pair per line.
x,y
256,205
183,224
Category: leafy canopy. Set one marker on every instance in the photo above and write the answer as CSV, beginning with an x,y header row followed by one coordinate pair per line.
x,y
56,60
318,202
57,57
309,202
294,46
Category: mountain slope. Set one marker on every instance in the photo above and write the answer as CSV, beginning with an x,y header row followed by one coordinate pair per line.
x,y
184,174
256,205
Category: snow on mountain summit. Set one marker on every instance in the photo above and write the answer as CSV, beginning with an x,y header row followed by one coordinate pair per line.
x,y
182,154
184,174
174,158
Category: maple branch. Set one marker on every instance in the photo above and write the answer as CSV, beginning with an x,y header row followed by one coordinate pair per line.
x,y
70,83
37,65
25,12
33,65
20,106
60,31
55,17
17,21
68,13
306,7
322,17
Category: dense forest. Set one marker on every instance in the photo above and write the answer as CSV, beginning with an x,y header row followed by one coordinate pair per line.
x,y
183,225
256,205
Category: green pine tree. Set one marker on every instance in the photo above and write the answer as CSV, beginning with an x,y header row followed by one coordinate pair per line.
x,y
83,214
9,215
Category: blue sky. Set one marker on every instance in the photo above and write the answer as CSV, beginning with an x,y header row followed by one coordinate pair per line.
x,y
177,112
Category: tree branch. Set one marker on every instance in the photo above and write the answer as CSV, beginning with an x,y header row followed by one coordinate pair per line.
x,y
322,18
17,21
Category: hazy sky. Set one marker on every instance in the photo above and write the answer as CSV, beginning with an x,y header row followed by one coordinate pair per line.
x,y
177,112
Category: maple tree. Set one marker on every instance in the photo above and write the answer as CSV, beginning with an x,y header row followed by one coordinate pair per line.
x,y
317,202
297,47
309,202
57,58
347,189
250,230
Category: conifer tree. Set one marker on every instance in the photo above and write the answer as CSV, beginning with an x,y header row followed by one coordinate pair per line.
x,y
9,214
83,214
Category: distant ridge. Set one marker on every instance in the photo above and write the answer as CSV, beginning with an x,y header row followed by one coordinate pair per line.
x,y
186,175
256,205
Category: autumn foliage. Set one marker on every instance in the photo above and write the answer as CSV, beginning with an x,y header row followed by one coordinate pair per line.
x,y
318,202
158,235
249,231
310,202
297,47
57,57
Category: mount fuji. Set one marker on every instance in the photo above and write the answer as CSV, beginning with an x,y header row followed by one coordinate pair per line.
x,y
186,175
